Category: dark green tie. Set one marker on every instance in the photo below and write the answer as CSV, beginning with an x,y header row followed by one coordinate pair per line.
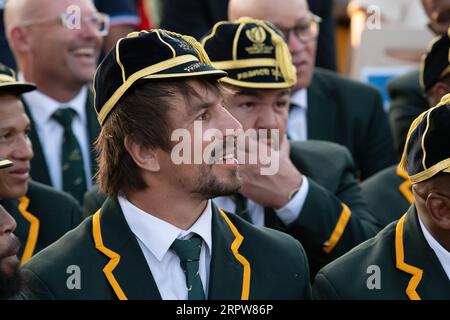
x,y
73,176
189,253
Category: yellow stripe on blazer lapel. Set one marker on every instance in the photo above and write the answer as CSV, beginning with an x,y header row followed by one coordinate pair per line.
x,y
242,260
411,289
33,231
113,256
405,187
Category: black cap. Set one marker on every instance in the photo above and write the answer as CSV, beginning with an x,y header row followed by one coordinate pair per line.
x,y
9,83
253,53
427,148
435,63
5,163
150,54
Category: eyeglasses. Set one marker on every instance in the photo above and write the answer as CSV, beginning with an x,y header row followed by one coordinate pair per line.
x,y
306,31
97,20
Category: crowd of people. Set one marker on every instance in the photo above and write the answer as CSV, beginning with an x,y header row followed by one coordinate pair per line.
x,y
92,100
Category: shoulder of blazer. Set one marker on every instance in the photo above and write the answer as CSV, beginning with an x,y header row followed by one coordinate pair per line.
x,y
50,197
334,82
328,154
406,81
64,252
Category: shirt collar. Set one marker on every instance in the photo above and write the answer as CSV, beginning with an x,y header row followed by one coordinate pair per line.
x,y
442,254
300,98
44,106
158,235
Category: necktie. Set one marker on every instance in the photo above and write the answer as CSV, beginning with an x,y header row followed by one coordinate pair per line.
x,y
189,253
73,176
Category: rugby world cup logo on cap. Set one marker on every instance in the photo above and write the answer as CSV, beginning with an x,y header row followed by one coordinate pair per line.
x,y
256,34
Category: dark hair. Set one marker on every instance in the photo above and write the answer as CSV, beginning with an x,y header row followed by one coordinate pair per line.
x,y
142,115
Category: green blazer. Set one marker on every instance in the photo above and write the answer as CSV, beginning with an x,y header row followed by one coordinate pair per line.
x,y
334,217
43,215
39,169
247,262
350,113
407,267
407,102
389,194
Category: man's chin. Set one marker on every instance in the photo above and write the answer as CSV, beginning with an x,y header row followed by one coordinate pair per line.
x,y
10,284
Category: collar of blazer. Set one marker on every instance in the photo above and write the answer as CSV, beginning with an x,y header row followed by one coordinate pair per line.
x,y
29,224
405,186
414,257
129,275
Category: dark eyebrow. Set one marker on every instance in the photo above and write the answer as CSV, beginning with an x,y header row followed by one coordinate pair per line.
x,y
284,92
194,109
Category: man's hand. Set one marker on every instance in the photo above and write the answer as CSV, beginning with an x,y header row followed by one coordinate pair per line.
x,y
270,190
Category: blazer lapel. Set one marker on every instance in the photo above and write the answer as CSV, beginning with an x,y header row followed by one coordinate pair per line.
x,y
229,277
39,170
28,226
414,256
127,270
321,113
405,186
93,128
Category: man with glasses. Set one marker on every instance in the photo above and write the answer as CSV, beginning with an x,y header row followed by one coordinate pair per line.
x,y
325,106
56,45
410,258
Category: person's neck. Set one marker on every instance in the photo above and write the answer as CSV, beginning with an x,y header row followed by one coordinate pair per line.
x,y
57,90
441,236
180,210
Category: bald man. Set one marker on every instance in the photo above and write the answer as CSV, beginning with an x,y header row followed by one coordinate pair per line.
x,y
56,44
325,106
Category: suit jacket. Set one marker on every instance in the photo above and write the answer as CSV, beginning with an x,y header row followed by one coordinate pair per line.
x,y
351,114
39,169
389,194
247,262
407,267
43,215
334,217
407,102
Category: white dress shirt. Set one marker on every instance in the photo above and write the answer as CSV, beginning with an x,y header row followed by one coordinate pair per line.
x,y
297,121
155,236
442,254
51,132
287,214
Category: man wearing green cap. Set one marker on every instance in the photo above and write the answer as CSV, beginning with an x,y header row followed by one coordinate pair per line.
x,y
410,258
389,192
43,215
324,105
314,195
158,235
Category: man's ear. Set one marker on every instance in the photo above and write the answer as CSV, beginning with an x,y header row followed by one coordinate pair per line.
x,y
144,157
438,207
20,39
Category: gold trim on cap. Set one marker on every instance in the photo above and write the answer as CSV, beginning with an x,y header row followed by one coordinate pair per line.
x,y
244,63
442,166
145,73
256,85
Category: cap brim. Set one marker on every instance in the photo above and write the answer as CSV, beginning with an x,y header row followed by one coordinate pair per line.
x,y
16,88
5,163
262,77
189,69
